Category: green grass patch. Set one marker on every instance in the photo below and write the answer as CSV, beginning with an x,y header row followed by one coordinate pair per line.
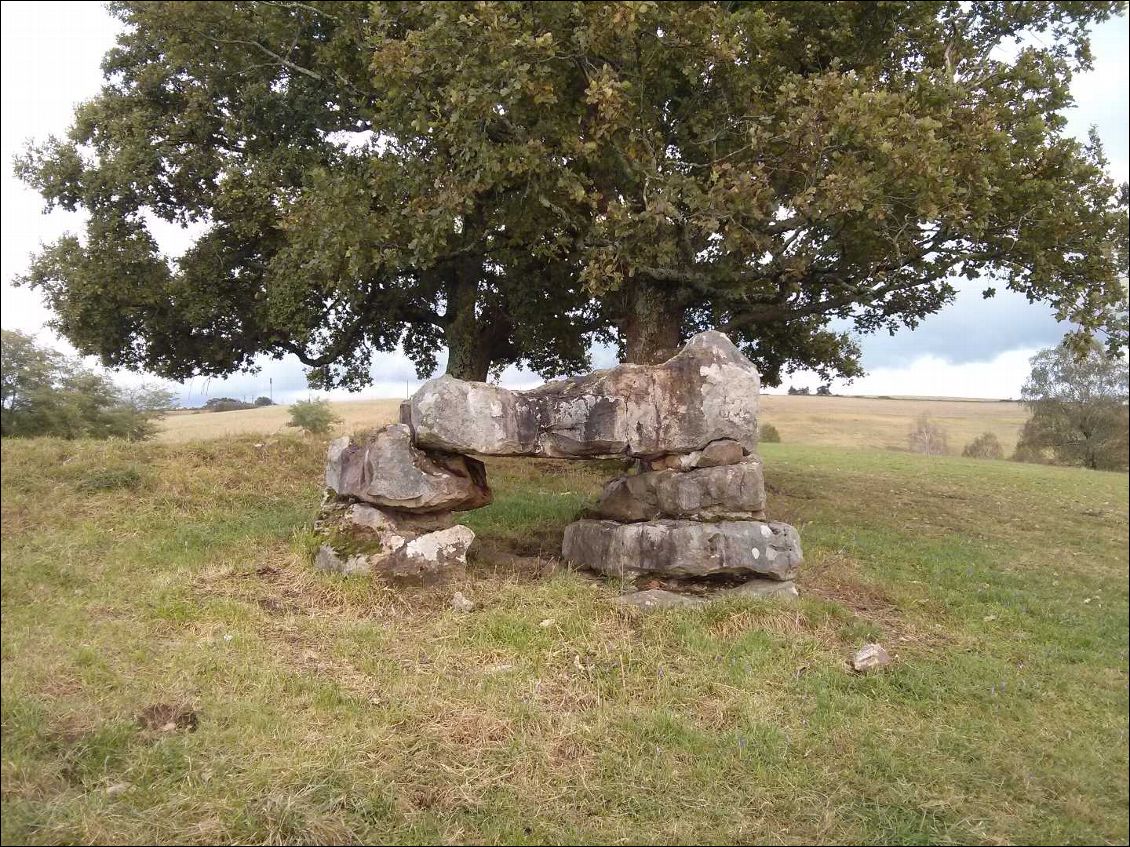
x,y
328,709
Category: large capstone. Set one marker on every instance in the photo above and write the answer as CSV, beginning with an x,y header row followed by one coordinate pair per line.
x,y
386,470
733,492
684,548
705,393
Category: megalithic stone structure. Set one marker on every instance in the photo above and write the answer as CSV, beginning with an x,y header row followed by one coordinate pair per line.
x,y
696,508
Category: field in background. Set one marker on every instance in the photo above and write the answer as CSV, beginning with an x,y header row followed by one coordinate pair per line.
x,y
828,421
885,423
174,670
270,420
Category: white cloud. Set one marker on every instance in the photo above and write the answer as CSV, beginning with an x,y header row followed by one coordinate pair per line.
x,y
932,376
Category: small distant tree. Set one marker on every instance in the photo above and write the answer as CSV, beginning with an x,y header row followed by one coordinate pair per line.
x,y
264,401
768,434
1079,409
801,390
824,390
984,446
226,404
313,416
49,394
928,437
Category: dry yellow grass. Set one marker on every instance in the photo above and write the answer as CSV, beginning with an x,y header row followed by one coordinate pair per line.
x,y
884,423
269,420
828,421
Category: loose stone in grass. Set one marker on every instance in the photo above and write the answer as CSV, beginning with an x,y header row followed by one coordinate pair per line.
x,y
870,657
460,603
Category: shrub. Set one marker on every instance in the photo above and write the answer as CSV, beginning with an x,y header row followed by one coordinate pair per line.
x,y
1078,400
313,416
264,401
984,446
768,433
47,393
927,437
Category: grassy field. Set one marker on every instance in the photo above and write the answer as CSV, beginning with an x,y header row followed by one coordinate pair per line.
x,y
173,669
180,427
829,421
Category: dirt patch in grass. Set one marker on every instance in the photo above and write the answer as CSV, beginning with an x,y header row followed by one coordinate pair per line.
x,y
168,717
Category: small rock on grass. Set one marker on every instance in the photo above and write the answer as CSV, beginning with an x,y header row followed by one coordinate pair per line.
x,y
870,657
461,604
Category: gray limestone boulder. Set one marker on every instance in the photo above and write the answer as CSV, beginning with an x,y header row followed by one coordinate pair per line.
x,y
763,589
428,559
725,451
684,548
385,469
705,393
330,560
729,492
660,598
402,547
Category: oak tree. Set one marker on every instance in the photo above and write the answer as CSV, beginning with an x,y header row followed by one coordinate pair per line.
x,y
506,179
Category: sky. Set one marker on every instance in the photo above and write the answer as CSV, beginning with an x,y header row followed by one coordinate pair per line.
x,y
49,62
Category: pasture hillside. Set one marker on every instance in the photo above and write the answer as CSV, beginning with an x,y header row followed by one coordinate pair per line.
x,y
828,421
175,671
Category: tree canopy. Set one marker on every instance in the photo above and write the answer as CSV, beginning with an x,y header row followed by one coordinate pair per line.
x,y
46,393
1079,408
510,180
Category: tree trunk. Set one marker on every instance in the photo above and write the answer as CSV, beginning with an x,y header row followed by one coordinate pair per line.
x,y
651,323
468,348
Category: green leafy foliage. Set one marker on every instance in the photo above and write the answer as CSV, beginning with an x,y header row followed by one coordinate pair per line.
x,y
1079,409
984,446
313,416
508,180
47,393
227,404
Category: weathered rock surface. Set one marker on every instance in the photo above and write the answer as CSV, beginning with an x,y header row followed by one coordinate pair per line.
x,y
428,558
661,598
731,492
461,604
725,451
684,548
387,470
763,589
329,560
705,393
870,657
658,598
359,537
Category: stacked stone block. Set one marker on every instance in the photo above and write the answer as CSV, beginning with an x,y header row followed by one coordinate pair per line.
x,y
694,508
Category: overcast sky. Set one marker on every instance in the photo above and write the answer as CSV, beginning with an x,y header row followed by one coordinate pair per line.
x,y
974,348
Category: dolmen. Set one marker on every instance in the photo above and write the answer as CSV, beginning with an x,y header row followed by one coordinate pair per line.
x,y
692,509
